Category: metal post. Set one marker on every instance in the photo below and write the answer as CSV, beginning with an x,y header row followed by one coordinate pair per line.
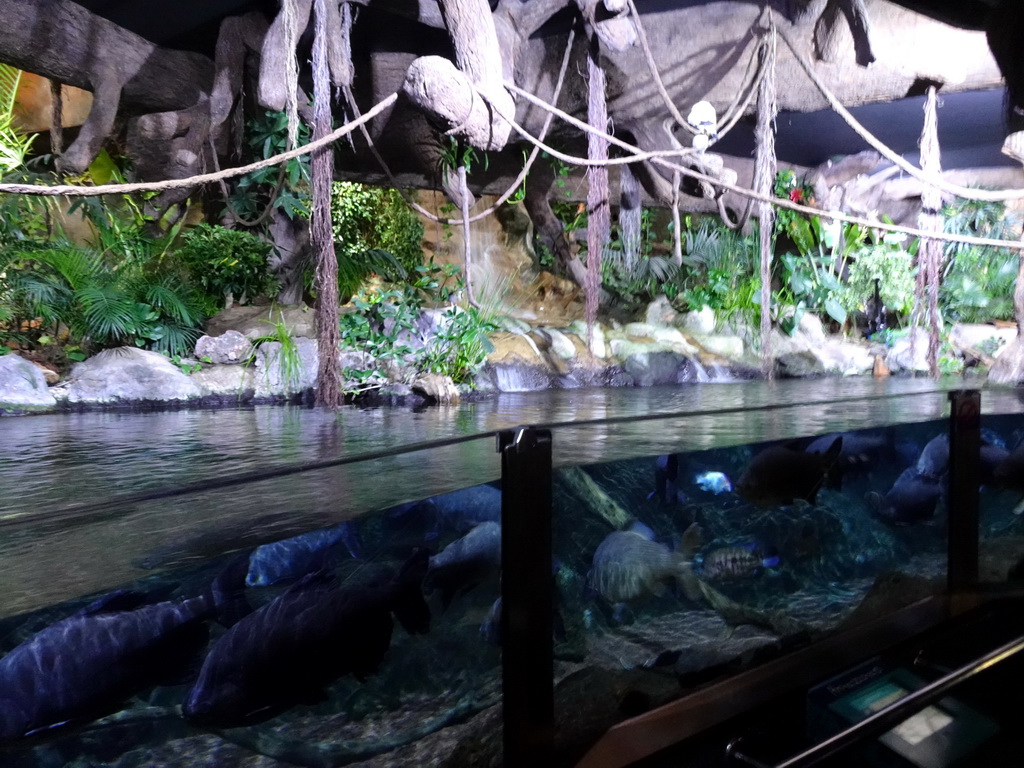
x,y
964,482
527,592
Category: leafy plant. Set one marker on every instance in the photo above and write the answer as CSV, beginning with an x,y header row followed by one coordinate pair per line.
x,y
375,231
375,331
285,356
886,261
285,187
977,283
14,145
227,264
93,300
461,346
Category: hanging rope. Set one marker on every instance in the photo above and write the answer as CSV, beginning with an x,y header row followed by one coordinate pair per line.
x,y
321,230
929,255
56,122
660,158
598,209
918,173
764,177
289,16
630,213
677,233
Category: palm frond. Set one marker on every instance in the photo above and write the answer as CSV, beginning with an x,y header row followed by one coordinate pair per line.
x,y
173,300
107,313
10,79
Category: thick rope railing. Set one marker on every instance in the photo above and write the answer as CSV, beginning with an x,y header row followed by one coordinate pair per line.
x,y
999,195
659,157
71,190
503,198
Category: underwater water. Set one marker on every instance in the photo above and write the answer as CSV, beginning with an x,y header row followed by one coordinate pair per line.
x,y
346,614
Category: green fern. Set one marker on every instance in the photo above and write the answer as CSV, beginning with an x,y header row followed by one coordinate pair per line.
x,y
14,145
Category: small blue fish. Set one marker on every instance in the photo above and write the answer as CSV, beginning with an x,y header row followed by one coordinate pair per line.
x,y
713,482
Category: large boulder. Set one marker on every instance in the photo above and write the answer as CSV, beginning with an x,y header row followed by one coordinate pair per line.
x,y
900,357
256,321
230,348
286,370
23,386
128,374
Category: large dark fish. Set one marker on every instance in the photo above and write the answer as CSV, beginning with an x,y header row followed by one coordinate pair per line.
x,y
464,509
629,565
934,459
465,562
781,474
294,557
732,563
912,498
861,451
666,480
288,650
85,666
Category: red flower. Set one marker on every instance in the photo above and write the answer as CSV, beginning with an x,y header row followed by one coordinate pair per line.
x,y
796,195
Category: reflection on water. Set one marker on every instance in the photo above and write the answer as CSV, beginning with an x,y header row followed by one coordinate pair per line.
x,y
746,535
58,461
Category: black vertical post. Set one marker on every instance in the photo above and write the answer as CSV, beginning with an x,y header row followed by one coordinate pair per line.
x,y
527,592
964,483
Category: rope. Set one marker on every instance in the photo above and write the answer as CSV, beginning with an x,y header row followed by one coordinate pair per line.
x,y
677,233
291,69
929,255
893,157
764,174
321,229
598,208
71,190
659,158
515,184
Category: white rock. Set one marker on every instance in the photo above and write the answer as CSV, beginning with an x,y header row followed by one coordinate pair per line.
x,y
701,321
128,374
23,385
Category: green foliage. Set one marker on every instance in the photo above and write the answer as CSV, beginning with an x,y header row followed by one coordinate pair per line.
x,y
227,262
460,346
266,136
286,356
635,279
978,282
375,231
720,272
382,327
93,299
375,330
886,261
14,145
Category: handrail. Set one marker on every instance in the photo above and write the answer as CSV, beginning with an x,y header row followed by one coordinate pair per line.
x,y
887,718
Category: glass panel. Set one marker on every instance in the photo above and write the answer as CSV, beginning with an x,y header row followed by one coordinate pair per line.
x,y
1001,499
751,533
314,675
